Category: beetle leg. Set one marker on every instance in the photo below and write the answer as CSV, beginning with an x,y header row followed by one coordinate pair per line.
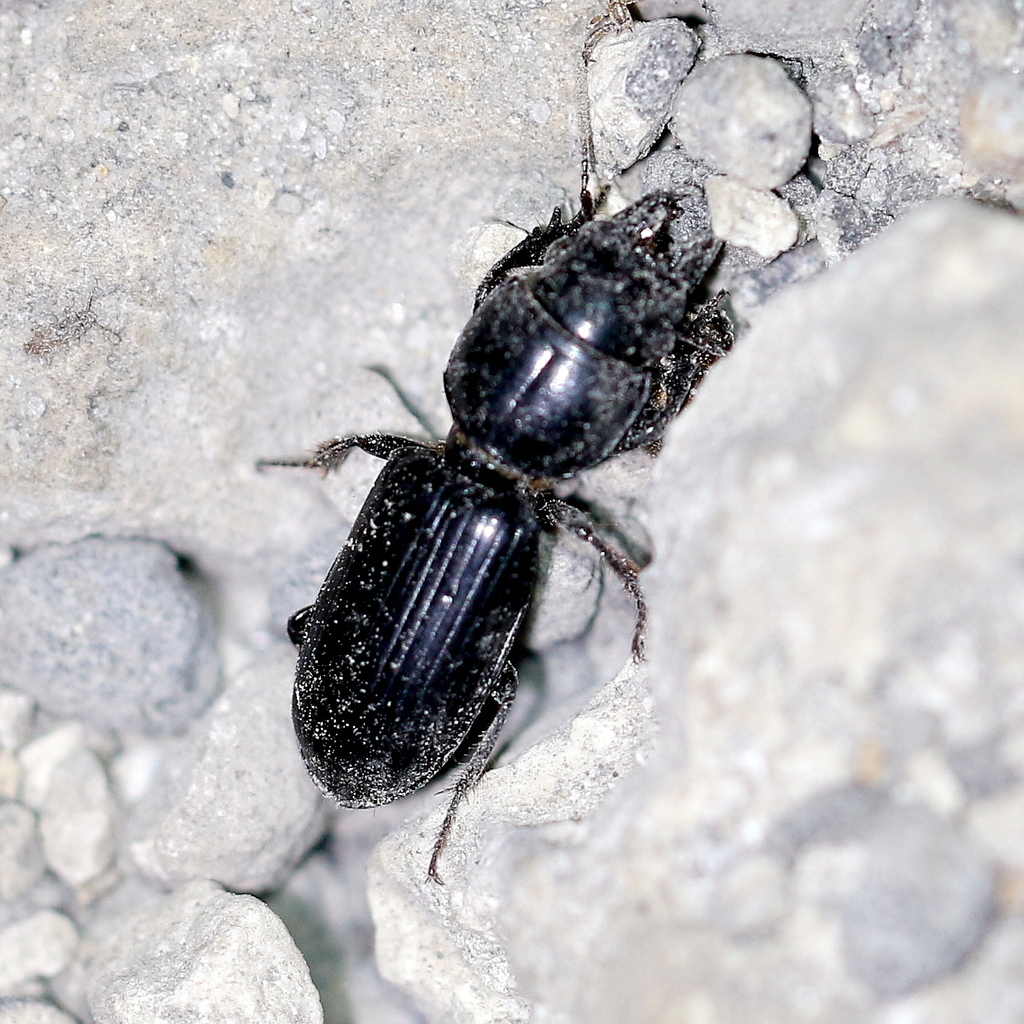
x,y
561,513
504,694
531,250
331,454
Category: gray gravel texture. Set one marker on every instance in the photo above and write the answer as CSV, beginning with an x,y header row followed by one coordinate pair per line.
x,y
109,632
216,219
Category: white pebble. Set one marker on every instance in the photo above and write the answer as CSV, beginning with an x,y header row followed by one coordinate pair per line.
x,y
750,217
79,819
21,860
39,946
39,760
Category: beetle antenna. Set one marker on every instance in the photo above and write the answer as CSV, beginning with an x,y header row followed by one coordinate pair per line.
x,y
411,406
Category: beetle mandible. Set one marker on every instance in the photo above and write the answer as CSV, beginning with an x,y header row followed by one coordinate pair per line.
x,y
586,339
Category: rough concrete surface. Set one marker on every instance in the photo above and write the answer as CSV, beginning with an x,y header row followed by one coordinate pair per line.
x,y
215,219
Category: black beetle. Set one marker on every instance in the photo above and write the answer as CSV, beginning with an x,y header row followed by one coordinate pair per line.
x,y
404,656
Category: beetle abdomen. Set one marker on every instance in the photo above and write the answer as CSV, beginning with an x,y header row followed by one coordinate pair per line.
x,y
412,625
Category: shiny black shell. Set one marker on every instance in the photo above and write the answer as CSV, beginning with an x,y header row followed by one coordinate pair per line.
x,y
412,628
558,366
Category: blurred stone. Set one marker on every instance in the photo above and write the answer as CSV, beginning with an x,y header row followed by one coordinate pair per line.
x,y
10,775
743,116
748,291
203,955
21,860
40,759
820,30
78,819
998,825
924,903
38,946
108,631
992,124
234,803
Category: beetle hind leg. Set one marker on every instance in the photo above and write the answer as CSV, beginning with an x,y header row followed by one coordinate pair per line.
x,y
475,766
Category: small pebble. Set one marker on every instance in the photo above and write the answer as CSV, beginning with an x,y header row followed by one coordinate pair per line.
x,y
743,116
750,217
235,803
205,956
992,123
631,79
78,822
752,289
39,946
40,758
21,858
839,116
15,718
109,632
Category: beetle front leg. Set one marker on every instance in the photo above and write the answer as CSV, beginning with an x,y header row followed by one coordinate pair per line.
x,y
477,763
331,454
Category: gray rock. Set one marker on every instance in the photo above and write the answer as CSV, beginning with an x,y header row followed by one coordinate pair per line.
x,y
839,115
38,946
21,860
820,31
32,1012
888,33
203,955
108,631
743,116
441,949
749,290
925,902
844,225
78,819
234,803
300,577
835,562
672,169
631,79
